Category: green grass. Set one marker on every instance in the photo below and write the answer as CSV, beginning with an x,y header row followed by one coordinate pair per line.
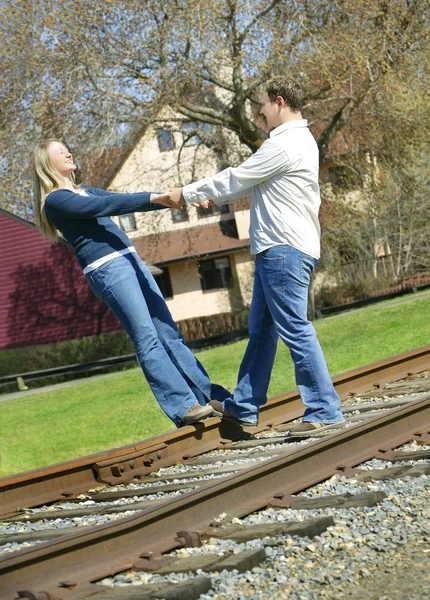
x,y
119,409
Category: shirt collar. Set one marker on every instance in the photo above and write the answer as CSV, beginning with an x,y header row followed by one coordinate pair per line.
x,y
288,125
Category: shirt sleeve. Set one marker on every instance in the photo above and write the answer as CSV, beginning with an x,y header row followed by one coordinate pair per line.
x,y
236,182
65,204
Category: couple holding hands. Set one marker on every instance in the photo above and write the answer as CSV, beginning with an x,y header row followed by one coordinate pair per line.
x,y
282,180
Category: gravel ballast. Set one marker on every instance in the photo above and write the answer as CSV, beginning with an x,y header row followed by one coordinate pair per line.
x,y
379,552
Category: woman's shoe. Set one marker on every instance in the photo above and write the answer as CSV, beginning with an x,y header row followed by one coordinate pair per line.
x,y
306,427
219,411
197,413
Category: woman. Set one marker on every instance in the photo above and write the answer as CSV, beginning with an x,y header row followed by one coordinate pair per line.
x,y
117,276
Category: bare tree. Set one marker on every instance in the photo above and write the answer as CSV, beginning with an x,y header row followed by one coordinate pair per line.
x,y
402,191
93,70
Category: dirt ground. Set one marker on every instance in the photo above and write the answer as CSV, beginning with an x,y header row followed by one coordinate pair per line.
x,y
407,577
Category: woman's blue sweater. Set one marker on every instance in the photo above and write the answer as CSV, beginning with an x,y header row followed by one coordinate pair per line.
x,y
84,220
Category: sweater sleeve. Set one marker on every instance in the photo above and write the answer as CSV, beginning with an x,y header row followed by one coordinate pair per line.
x,y
65,204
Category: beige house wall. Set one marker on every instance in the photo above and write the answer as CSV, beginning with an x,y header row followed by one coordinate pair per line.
x,y
245,274
149,169
242,222
189,300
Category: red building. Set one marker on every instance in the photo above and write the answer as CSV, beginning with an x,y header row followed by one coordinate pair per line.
x,y
44,298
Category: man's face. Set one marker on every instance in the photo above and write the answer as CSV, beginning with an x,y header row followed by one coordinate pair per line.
x,y
270,110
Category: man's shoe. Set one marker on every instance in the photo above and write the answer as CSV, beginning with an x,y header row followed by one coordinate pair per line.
x,y
197,413
219,411
308,427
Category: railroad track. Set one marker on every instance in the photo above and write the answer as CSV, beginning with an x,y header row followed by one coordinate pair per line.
x,y
70,529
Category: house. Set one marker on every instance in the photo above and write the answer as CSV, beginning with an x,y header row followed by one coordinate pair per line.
x,y
44,297
200,258
203,253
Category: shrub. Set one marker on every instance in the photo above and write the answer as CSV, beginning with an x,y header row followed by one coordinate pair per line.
x,y
36,358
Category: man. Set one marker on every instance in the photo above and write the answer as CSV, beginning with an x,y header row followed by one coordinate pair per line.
x,y
282,178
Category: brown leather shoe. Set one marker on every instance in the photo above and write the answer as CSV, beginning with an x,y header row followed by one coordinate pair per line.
x,y
308,427
219,411
197,413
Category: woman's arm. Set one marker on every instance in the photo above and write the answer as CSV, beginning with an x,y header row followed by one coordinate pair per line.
x,y
66,204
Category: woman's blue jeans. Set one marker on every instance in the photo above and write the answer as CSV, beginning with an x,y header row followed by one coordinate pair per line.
x,y
279,309
176,377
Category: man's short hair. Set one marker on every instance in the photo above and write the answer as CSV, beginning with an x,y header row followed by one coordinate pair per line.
x,y
288,89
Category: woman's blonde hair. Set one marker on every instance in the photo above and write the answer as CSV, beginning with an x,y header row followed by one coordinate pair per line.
x,y
46,178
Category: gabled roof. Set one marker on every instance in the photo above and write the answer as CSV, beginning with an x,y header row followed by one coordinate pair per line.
x,y
100,170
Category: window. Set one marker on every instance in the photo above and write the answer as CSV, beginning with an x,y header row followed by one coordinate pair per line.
x,y
193,126
179,215
215,273
127,222
213,210
164,283
165,138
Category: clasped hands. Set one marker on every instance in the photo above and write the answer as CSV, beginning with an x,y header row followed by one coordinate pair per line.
x,y
173,198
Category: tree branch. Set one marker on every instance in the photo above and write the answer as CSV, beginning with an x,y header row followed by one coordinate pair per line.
x,y
257,17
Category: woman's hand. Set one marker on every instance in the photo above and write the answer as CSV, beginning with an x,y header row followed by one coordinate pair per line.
x,y
173,198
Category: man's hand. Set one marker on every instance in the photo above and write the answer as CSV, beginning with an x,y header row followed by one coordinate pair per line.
x,y
203,204
173,198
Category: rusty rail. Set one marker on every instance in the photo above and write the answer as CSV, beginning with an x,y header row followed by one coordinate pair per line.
x,y
119,465
65,569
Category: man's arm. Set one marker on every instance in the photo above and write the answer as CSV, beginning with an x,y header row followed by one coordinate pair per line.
x,y
232,183
236,182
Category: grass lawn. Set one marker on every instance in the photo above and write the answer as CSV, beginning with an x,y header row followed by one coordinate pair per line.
x,y
119,409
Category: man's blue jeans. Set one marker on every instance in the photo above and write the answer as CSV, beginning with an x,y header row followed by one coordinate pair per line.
x,y
176,377
279,309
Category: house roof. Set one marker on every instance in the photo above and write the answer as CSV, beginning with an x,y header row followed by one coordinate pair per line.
x,y
10,215
195,242
101,169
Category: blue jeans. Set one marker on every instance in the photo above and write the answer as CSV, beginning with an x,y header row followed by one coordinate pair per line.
x,y
279,309
176,377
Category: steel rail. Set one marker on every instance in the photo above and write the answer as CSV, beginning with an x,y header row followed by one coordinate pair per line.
x,y
64,569
120,465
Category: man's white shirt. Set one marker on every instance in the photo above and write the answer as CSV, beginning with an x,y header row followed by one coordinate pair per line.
x,y
282,179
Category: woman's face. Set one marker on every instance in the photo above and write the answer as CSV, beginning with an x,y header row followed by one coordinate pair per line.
x,y
61,159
